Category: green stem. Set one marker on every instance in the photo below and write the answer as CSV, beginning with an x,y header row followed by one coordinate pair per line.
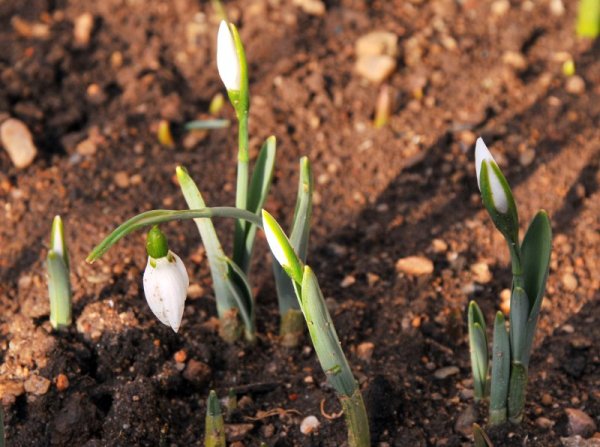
x,y
516,266
357,420
241,198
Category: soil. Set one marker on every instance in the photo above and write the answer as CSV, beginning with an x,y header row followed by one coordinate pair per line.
x,y
117,378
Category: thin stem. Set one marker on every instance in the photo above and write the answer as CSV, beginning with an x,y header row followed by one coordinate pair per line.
x,y
357,420
241,197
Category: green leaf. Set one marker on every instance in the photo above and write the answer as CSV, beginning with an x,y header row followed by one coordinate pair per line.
x,y
535,258
480,437
298,238
500,371
257,194
242,292
324,337
516,394
478,346
58,242
207,124
519,311
230,284
161,216
59,290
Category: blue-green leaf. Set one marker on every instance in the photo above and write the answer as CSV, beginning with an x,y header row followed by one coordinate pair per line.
x,y
535,261
519,311
500,372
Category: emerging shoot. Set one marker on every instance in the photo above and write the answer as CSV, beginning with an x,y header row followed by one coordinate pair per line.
x,y
59,285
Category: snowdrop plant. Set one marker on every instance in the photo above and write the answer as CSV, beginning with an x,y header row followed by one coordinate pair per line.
x,y
588,18
322,332
165,280
214,427
530,259
59,284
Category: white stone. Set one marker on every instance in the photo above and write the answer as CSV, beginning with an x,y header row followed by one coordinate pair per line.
x,y
18,142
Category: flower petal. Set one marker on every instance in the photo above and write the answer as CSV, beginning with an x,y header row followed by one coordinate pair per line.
x,y
152,291
228,63
481,153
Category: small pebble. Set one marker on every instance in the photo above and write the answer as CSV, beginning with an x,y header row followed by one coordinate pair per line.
x,y
18,142
569,282
481,273
197,372
62,382
439,246
311,7
500,7
180,356
309,425
445,372
364,351
376,43
414,265
527,157
347,281
546,399
122,179
580,423
375,68
543,422
237,432
87,147
195,291
575,85
82,29
37,385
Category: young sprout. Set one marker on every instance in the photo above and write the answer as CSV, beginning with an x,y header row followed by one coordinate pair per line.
x,y
530,260
59,285
480,437
165,280
214,430
588,18
322,332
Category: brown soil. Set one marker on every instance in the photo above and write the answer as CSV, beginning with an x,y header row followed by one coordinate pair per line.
x,y
381,195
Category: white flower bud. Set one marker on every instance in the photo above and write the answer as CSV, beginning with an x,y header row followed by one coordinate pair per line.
x,y
482,154
165,286
228,62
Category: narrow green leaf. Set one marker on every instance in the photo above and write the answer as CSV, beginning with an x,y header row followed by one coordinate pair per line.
x,y
231,286
324,337
535,255
59,290
155,217
500,372
516,394
260,183
214,430
480,437
519,311
207,124
242,292
478,346
299,237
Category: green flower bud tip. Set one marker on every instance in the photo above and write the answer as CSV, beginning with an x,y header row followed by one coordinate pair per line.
x,y
57,239
156,243
281,247
483,156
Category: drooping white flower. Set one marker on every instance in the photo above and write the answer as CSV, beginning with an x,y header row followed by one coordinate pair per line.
x,y
228,62
483,155
165,286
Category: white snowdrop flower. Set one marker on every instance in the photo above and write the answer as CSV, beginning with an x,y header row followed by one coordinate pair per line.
x,y
165,285
483,155
228,63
